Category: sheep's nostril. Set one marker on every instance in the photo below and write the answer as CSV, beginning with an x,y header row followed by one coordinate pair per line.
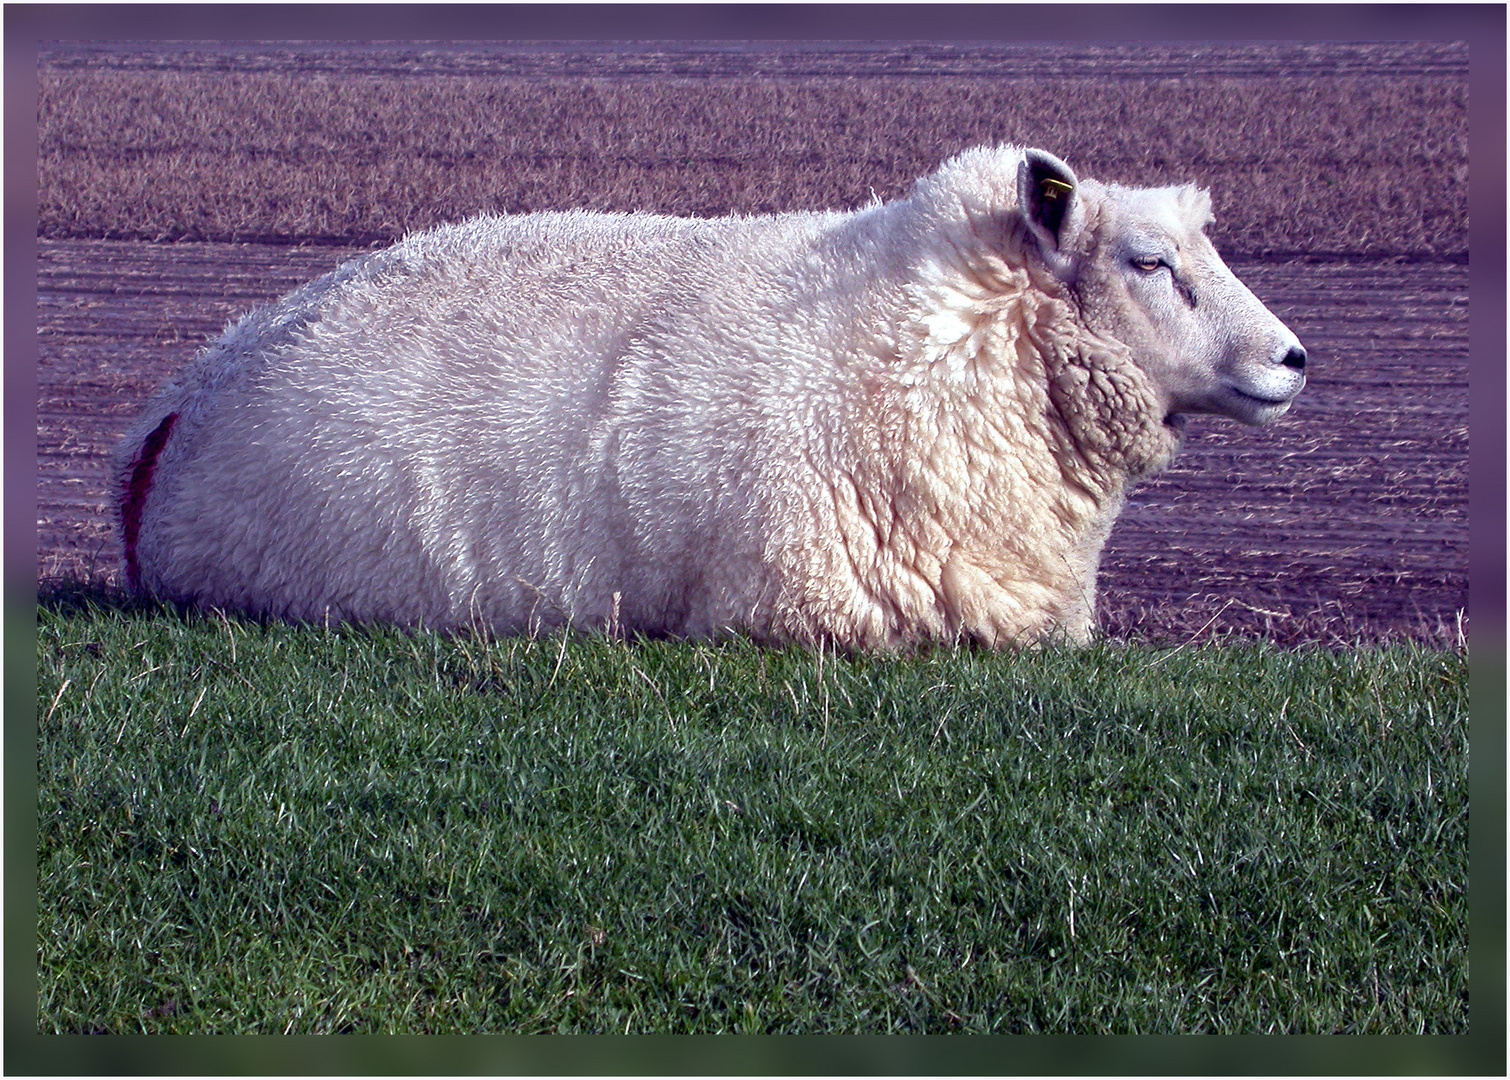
x,y
1295,358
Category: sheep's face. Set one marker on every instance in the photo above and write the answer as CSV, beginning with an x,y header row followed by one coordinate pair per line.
x,y
1144,274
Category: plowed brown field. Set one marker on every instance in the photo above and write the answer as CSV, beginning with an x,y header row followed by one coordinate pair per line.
x,y
1345,522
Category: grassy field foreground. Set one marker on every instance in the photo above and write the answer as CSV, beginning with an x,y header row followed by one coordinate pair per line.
x,y
250,828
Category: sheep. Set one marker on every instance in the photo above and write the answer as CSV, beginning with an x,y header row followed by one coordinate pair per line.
x,y
913,422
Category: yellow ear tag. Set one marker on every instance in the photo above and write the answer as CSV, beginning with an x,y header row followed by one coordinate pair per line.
x,y
1052,189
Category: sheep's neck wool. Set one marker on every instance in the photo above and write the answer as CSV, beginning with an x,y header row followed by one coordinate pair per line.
x,y
1003,444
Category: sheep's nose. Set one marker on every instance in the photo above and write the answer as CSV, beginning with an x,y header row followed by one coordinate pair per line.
x,y
1295,358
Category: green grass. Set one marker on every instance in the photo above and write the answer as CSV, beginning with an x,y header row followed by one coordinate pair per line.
x,y
248,828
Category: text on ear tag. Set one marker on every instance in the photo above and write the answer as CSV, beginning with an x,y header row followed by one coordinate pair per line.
x,y
1052,188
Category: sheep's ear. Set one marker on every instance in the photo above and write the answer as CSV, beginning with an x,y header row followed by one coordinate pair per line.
x,y
1049,199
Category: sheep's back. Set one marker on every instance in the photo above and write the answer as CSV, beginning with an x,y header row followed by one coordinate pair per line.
x,y
474,421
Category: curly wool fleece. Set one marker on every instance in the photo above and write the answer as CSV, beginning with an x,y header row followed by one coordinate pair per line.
x,y
870,428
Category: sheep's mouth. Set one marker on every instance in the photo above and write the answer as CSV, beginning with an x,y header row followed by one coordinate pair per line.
x,y
1254,410
1267,403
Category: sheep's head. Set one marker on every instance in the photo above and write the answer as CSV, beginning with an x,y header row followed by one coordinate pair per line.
x,y
1139,265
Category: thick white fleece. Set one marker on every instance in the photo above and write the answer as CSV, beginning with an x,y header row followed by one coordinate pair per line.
x,y
869,428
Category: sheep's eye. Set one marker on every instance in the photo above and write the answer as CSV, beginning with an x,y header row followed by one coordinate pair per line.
x,y
1147,263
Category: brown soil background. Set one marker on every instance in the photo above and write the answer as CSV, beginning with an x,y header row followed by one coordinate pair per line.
x,y
177,188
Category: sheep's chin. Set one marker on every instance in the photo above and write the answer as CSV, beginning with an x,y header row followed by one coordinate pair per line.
x,y
1254,411
1234,404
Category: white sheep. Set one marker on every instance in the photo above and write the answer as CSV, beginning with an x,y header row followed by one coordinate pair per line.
x,y
915,421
